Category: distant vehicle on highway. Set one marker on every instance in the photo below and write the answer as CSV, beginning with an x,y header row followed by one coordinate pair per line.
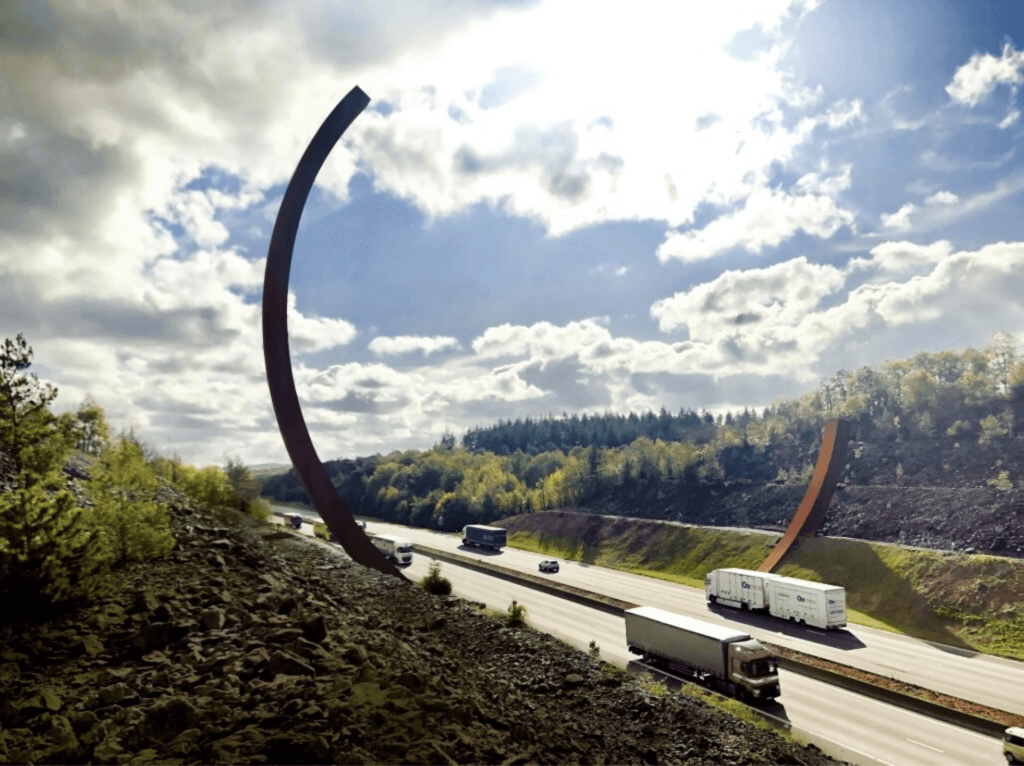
x,y
803,601
397,549
1013,745
549,565
293,520
484,537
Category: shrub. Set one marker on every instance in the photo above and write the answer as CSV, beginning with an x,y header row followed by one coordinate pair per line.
x,y
990,429
434,583
653,686
516,614
1002,481
958,427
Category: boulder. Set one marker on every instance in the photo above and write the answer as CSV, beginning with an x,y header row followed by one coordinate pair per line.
x,y
169,718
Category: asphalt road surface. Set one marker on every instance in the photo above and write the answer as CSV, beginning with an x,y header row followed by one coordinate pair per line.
x,y
991,681
866,731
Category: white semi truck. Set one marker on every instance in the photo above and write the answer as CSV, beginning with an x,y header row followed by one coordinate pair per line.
x,y
484,537
397,549
716,656
789,598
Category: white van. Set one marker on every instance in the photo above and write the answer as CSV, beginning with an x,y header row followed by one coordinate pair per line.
x,y
397,549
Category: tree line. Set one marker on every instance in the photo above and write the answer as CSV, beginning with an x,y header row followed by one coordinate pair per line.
x,y
531,465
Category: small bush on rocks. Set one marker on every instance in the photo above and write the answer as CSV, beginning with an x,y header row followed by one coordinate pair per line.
x,y
434,583
516,614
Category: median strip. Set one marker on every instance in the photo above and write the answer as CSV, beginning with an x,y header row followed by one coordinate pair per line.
x,y
959,712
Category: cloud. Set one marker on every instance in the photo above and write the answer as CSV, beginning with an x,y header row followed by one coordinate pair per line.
x,y
843,113
904,256
900,219
767,218
492,129
942,198
404,344
979,76
1011,117
765,300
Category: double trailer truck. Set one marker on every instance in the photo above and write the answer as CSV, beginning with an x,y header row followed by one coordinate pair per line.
x,y
397,549
788,598
484,537
719,657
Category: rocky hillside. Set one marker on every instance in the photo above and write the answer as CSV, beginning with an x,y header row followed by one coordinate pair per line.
x,y
249,646
943,492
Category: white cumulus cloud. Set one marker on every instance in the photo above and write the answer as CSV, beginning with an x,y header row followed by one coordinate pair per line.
x,y
942,198
767,218
900,219
404,344
979,76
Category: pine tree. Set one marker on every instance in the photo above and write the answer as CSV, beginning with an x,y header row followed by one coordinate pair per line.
x,y
47,553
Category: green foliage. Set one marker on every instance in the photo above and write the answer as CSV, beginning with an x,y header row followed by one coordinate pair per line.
x,y
435,583
652,685
47,555
95,433
958,427
1002,481
990,429
245,490
131,526
516,614
259,509
208,486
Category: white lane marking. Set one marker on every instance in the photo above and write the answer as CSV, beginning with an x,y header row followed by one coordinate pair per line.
x,y
847,747
922,744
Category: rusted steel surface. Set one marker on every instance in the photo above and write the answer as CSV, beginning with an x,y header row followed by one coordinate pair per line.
x,y
307,464
812,508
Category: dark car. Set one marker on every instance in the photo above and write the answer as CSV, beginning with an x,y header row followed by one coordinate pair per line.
x,y
549,566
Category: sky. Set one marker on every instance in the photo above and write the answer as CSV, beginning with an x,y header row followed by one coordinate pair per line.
x,y
548,206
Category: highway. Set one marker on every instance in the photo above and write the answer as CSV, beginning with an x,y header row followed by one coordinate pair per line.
x,y
991,681
869,731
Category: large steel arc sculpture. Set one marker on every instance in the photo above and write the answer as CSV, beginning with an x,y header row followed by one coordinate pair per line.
x,y
307,464
812,509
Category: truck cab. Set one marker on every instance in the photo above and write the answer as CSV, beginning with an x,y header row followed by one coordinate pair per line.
x,y
754,670
397,549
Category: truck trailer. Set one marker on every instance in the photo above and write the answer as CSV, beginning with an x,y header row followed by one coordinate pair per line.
x,y
738,588
397,549
806,602
789,598
719,657
480,536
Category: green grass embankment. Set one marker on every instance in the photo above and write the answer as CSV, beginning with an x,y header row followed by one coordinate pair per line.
x,y
970,601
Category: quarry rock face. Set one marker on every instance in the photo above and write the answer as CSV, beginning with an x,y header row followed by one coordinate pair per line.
x,y
237,649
